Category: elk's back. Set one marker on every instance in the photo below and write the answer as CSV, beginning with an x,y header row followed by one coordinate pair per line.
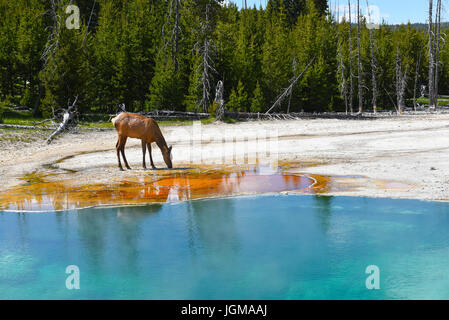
x,y
132,125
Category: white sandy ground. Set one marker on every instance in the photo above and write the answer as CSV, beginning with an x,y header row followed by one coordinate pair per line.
x,y
410,153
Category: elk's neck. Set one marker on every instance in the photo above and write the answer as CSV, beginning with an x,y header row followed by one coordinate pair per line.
x,y
162,145
160,141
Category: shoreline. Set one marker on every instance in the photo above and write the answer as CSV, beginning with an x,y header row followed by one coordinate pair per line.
x,y
238,196
404,158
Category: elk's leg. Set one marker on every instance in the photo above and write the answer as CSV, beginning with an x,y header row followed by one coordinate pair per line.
x,y
144,150
117,147
151,156
122,149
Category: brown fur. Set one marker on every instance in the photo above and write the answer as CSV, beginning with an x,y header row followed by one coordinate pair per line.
x,y
132,125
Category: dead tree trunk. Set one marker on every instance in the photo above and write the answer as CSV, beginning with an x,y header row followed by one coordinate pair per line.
x,y
38,100
67,118
206,63
437,52
341,71
351,63
418,67
401,83
52,44
373,71
176,35
172,39
219,93
289,89
373,62
70,112
205,78
359,62
431,57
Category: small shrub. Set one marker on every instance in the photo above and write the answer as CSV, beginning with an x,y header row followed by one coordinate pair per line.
x,y
27,99
213,109
238,99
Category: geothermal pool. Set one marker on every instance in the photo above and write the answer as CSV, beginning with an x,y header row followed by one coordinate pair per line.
x,y
245,247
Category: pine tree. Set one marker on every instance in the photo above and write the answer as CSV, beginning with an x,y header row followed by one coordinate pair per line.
x,y
193,98
166,87
257,101
10,12
106,47
276,56
65,75
238,100
137,54
31,38
294,8
314,37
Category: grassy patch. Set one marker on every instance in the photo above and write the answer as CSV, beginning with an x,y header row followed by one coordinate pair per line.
x,y
23,118
176,122
441,101
230,120
21,121
208,121
8,136
98,125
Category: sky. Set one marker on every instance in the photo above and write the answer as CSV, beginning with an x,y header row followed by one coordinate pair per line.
x,y
392,11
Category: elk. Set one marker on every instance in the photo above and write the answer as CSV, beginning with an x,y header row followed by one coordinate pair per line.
x,y
132,125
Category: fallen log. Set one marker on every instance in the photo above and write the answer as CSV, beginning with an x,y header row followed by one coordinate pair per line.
x,y
161,114
289,89
16,126
66,119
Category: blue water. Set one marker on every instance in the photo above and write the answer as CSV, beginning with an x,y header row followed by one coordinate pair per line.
x,y
267,247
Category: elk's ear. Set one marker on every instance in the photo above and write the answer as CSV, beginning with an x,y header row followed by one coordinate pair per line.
x,y
169,149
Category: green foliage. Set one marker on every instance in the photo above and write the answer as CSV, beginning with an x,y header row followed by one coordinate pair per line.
x,y
238,100
165,90
2,111
194,95
294,8
28,98
213,109
129,54
66,74
257,101
22,37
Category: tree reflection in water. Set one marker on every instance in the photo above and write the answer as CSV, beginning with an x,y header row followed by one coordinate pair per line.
x,y
44,192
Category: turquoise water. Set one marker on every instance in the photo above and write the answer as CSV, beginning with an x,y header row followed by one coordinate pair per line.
x,y
267,247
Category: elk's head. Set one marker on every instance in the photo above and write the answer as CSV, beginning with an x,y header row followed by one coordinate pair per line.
x,y
167,156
